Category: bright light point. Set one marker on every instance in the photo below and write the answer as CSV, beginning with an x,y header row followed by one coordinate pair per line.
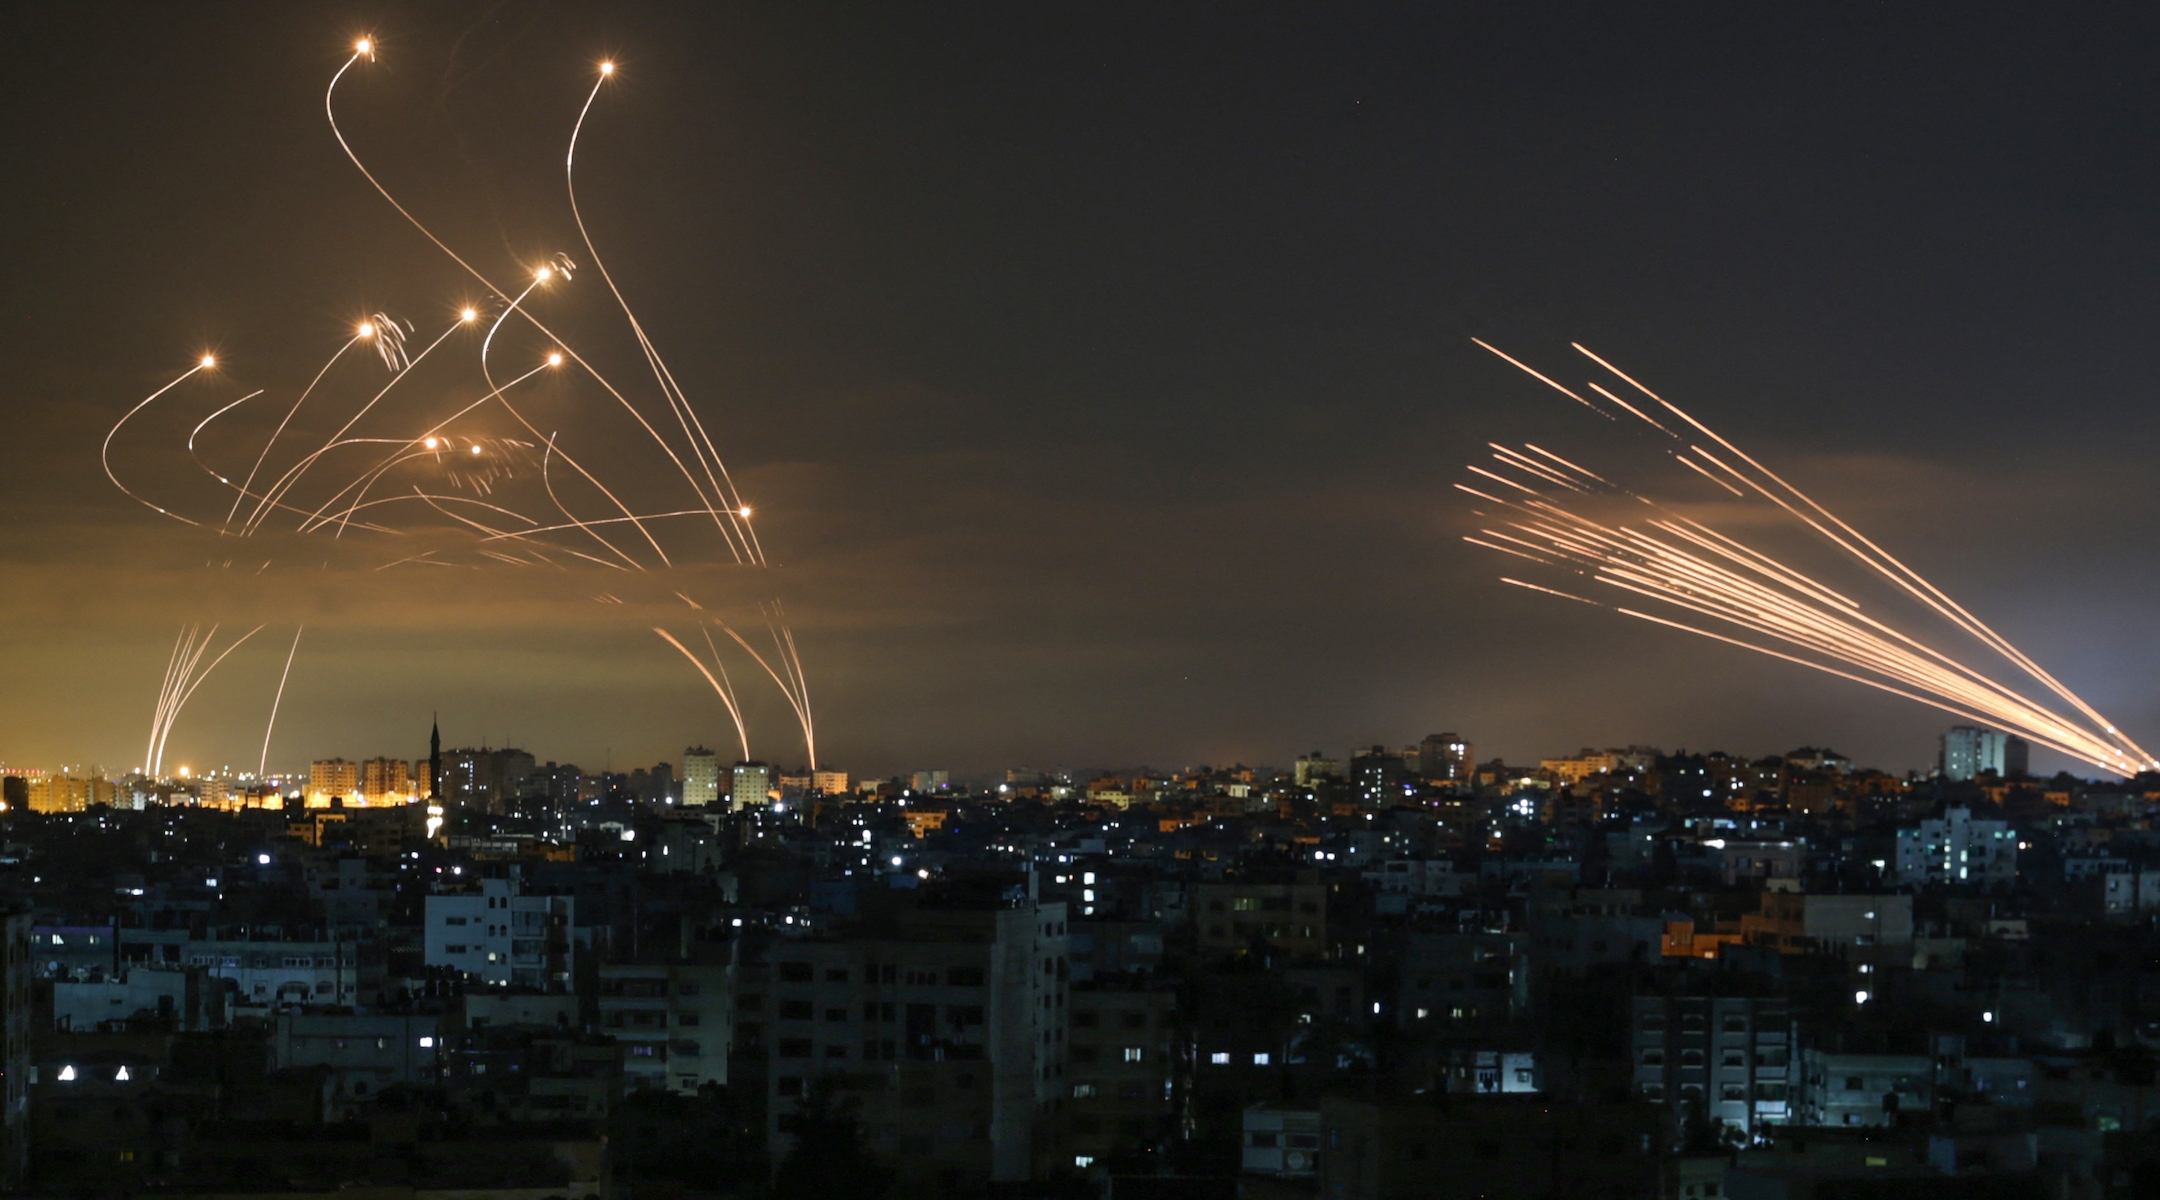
x,y
544,274
1860,997
554,360
744,511
209,361
607,68
263,859
468,315
366,330
363,46
476,449
433,442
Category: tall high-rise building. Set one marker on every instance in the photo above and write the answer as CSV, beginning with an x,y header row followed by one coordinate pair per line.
x,y
2017,757
386,781
332,779
1314,767
654,785
485,778
1377,774
1969,752
752,784
1445,756
68,793
700,777
951,1017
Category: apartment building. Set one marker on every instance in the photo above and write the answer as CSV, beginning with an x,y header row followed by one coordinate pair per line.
x,y
1122,1065
496,933
947,1021
1728,1057
675,1023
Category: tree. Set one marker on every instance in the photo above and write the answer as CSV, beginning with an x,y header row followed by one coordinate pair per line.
x,y
829,1159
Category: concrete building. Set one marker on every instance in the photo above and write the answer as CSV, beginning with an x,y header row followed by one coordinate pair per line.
x,y
364,1053
277,971
1969,752
1457,978
387,781
947,1023
182,998
1727,1058
333,779
1311,768
829,783
496,933
68,793
700,777
1283,1143
1285,911
1122,1066
1376,776
485,779
1955,849
675,1023
1863,1089
925,782
1445,758
750,786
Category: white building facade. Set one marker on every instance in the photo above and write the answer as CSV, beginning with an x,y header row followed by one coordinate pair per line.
x,y
1955,849
500,936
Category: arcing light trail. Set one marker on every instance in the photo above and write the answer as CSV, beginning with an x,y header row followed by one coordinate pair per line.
x,y
1702,574
182,677
409,458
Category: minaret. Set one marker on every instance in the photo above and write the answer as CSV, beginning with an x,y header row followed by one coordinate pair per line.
x,y
434,759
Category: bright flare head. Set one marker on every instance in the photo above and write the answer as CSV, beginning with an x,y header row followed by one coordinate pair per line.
x,y
554,360
469,314
364,46
744,511
607,68
366,329
433,442
544,274
209,361
476,449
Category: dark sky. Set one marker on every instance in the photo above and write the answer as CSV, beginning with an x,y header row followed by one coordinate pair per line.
x,y
1099,373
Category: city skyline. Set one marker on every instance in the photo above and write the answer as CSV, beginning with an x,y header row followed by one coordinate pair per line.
x,y
1102,499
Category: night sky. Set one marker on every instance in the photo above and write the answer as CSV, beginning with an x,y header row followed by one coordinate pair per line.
x,y
1099,374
